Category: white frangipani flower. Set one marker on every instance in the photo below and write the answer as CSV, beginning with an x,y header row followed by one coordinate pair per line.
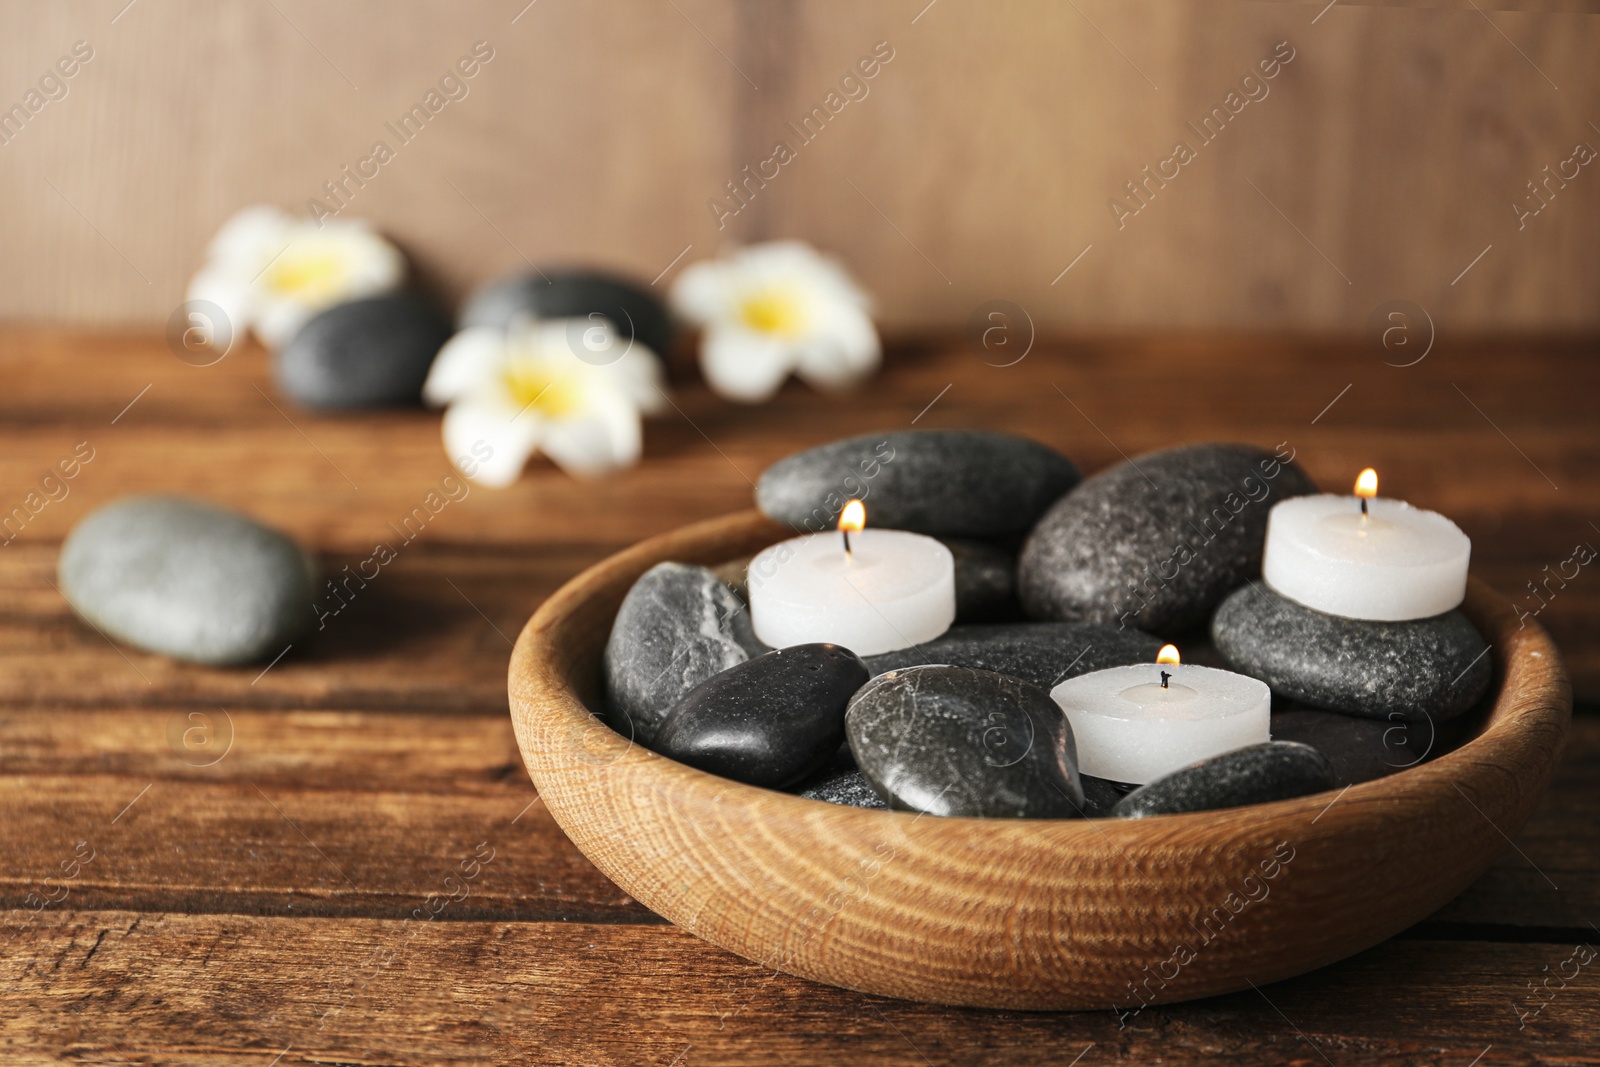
x,y
570,388
270,272
774,308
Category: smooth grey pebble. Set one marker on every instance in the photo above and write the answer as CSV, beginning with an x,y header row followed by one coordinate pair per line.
x,y
188,579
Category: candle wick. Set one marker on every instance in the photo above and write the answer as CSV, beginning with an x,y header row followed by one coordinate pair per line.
x,y
846,535
1363,507
1165,677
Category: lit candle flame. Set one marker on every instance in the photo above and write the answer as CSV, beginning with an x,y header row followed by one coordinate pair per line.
x,y
1168,654
1367,484
854,517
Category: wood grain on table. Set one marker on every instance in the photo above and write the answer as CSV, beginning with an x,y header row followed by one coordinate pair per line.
x,y
211,865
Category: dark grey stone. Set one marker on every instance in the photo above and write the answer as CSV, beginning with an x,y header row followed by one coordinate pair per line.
x,y
986,581
373,352
1358,749
1039,653
1256,774
188,579
769,721
572,294
956,483
841,782
1423,668
678,626
958,741
1156,542
1100,795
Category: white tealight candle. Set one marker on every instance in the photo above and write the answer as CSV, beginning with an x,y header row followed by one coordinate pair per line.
x,y
1138,723
1364,558
871,591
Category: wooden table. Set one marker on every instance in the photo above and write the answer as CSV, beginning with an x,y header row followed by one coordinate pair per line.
x,y
265,866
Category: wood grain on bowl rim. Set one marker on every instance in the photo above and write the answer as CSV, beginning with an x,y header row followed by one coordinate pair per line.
x,y
1022,914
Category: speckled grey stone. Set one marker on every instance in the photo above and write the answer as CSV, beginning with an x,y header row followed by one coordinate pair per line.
x,y
1358,749
986,581
678,626
1256,774
768,721
1039,653
1423,668
188,579
841,782
367,353
958,741
956,483
572,294
1158,541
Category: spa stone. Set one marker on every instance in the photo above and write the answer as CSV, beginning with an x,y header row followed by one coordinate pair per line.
x,y
1424,668
986,581
1358,749
367,353
1158,541
948,483
841,782
678,626
1257,774
1039,653
958,741
558,294
188,579
768,721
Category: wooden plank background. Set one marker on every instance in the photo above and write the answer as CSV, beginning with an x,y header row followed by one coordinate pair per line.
x,y
1384,160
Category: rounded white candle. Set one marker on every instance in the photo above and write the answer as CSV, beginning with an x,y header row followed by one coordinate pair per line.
x,y
1129,727
890,590
1387,562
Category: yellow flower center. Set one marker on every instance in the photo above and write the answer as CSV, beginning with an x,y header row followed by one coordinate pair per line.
x,y
537,386
773,311
307,275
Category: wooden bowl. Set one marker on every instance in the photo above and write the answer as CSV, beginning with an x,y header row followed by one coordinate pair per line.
x,y
1019,913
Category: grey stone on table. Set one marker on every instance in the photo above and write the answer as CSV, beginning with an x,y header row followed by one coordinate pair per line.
x,y
947,483
1158,541
1433,668
1040,653
367,353
679,625
1256,774
964,742
572,294
188,579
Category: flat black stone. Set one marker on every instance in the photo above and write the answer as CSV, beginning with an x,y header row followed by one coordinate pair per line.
x,y
770,721
1425,668
569,294
956,483
373,352
1256,774
986,581
1358,749
678,626
1158,541
958,741
1039,653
